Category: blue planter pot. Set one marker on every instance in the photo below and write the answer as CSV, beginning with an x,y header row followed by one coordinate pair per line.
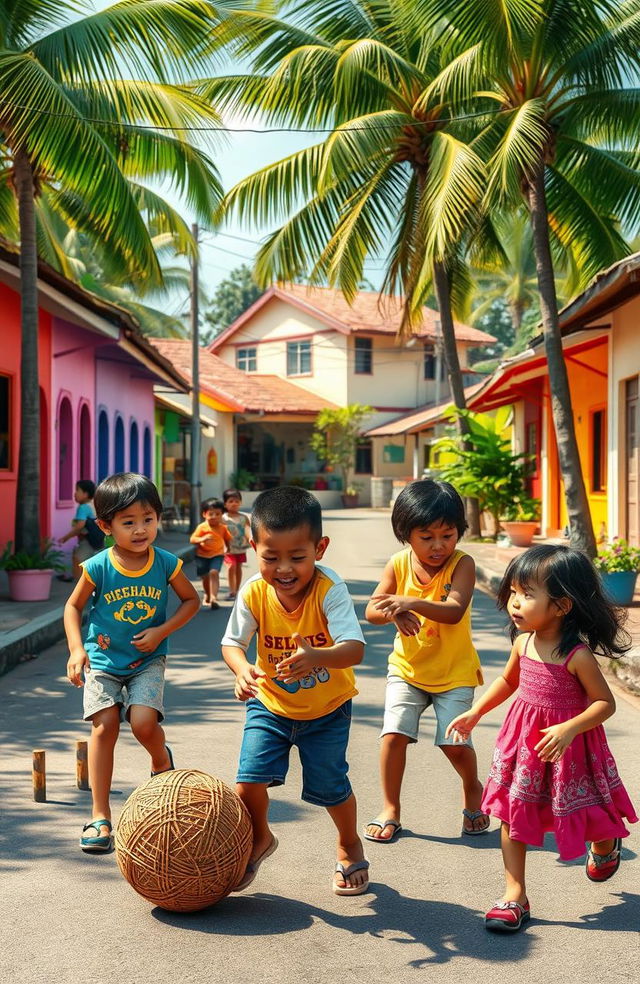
x,y
619,586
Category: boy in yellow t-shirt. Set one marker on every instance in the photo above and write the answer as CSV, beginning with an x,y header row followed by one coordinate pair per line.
x,y
299,690
426,590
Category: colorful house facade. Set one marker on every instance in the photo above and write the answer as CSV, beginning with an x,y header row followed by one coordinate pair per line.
x,y
97,374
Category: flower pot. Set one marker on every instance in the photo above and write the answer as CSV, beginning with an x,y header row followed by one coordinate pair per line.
x,y
29,585
349,501
520,532
619,586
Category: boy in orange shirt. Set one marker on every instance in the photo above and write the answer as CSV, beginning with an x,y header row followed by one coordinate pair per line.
x,y
212,538
299,690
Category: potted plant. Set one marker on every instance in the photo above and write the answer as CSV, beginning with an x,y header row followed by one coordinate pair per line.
x,y
521,520
335,439
30,574
618,564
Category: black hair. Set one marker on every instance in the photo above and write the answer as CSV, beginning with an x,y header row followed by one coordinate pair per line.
x,y
212,504
87,486
231,494
118,492
424,503
285,508
566,573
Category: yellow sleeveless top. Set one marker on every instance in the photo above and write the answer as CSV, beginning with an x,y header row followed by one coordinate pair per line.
x,y
441,656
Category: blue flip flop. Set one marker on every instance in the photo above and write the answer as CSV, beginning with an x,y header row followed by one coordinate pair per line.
x,y
172,766
99,844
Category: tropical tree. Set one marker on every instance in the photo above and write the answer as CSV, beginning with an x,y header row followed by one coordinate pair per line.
x,y
71,123
392,179
335,438
232,296
558,79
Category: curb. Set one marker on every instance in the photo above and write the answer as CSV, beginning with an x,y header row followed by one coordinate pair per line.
x,y
47,629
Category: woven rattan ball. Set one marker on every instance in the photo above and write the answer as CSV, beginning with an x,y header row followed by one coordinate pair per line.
x,y
183,840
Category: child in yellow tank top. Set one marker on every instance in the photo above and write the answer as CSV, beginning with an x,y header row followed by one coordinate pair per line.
x,y
426,590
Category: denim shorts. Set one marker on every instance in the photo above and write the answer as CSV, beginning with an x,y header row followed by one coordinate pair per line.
x,y
145,688
321,743
206,564
404,705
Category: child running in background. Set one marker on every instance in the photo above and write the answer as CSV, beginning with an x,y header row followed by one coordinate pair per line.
x,y
122,660
239,527
299,690
212,538
552,769
83,494
426,590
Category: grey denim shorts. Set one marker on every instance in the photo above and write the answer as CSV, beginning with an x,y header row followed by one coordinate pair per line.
x,y
103,690
404,705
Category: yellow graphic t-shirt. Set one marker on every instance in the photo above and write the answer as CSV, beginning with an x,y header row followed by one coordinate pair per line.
x,y
325,618
441,656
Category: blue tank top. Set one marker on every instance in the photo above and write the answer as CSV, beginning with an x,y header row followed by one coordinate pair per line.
x,y
123,604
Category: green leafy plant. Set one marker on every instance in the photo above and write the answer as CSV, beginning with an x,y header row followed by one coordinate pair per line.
x,y
48,558
523,509
241,479
487,470
616,557
335,438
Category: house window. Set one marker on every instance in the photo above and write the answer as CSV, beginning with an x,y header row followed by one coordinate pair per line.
x,y
298,358
146,451
134,449
65,450
363,458
247,359
430,360
119,445
5,423
103,445
364,356
598,451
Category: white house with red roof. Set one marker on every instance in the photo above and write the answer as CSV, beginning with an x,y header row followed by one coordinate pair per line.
x,y
312,338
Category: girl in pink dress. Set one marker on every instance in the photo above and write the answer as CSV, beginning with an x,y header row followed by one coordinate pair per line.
x,y
552,768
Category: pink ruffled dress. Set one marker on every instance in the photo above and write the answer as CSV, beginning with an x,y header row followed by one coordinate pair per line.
x,y
580,798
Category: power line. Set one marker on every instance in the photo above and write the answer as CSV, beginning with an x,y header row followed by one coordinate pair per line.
x,y
221,128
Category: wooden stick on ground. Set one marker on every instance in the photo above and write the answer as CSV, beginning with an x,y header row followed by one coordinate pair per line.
x,y
82,765
39,775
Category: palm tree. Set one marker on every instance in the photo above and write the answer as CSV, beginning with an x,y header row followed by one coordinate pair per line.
x,y
60,74
393,179
562,138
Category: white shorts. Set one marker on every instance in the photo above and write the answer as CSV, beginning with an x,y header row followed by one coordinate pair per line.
x,y
145,688
404,705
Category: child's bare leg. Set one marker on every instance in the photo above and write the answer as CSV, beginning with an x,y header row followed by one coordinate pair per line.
x,y
235,576
206,587
463,759
255,797
349,849
214,585
393,759
514,856
147,730
105,726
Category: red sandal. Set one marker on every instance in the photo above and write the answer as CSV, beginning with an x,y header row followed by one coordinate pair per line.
x,y
602,867
507,917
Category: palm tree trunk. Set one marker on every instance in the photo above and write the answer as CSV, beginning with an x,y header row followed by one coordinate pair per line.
x,y
27,524
580,523
443,297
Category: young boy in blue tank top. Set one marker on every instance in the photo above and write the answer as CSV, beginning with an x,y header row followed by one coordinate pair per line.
x,y
426,591
121,662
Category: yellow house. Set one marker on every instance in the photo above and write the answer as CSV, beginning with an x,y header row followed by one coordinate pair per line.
x,y
601,347
345,354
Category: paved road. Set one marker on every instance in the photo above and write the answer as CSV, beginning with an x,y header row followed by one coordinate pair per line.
x,y
68,917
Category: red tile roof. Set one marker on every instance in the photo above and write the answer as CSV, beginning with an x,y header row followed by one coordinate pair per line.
x,y
421,418
368,314
240,391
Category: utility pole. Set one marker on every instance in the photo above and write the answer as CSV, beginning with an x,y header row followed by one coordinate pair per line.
x,y
195,387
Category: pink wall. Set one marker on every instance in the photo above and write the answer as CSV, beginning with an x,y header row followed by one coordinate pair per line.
x,y
123,391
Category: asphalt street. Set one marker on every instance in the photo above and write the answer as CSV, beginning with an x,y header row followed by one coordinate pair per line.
x,y
70,917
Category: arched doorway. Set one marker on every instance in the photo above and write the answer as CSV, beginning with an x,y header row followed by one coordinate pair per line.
x,y
119,445
134,452
103,445
45,490
84,442
146,451
65,450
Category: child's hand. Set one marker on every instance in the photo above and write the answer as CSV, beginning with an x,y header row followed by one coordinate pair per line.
x,y
391,605
300,663
75,666
408,624
555,742
462,726
247,682
148,640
